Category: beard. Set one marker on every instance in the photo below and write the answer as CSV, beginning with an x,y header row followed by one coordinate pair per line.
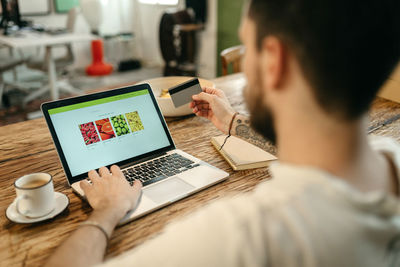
x,y
261,118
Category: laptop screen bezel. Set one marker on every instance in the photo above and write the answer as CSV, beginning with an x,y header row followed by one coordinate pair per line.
x,y
85,98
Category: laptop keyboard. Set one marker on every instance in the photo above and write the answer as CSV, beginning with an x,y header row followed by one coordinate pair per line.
x,y
158,169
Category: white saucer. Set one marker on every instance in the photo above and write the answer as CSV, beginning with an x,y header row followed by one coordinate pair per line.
x,y
61,200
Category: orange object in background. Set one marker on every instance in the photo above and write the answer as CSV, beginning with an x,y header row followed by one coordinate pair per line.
x,y
98,66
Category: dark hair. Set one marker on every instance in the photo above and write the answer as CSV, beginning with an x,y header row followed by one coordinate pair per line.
x,y
346,48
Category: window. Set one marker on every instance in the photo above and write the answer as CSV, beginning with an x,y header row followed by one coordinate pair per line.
x,y
160,2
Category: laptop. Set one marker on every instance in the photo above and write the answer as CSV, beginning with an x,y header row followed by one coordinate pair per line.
x,y
126,127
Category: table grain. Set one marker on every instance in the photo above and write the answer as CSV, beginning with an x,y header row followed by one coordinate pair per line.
x,y
27,147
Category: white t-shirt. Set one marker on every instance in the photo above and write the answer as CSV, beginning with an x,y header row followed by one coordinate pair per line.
x,y
303,216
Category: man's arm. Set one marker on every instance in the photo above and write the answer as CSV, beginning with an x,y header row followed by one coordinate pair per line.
x,y
212,236
87,245
111,197
214,105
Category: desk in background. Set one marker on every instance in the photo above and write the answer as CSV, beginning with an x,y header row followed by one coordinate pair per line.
x,y
34,39
27,147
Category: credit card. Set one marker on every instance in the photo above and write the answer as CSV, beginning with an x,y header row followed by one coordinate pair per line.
x,y
182,93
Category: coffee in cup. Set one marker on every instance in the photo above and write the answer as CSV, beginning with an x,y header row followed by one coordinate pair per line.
x,y
35,183
35,194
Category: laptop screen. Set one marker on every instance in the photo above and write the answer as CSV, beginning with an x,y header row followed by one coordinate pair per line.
x,y
107,130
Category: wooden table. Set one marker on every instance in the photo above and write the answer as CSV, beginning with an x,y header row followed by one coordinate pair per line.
x,y
27,147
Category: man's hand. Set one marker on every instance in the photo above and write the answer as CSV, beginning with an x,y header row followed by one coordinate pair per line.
x,y
213,105
111,197
110,191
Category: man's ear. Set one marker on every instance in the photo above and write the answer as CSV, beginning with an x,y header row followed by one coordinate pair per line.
x,y
272,62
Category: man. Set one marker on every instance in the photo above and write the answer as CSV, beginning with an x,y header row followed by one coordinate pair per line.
x,y
313,69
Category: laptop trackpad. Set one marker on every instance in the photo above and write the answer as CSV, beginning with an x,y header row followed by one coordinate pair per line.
x,y
168,190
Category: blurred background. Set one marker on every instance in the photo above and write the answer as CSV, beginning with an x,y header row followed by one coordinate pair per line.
x,y
52,49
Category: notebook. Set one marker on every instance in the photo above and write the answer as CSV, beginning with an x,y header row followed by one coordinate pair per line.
x,y
240,154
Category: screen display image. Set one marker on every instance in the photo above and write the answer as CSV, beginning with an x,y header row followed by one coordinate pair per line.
x,y
134,121
105,131
120,125
89,133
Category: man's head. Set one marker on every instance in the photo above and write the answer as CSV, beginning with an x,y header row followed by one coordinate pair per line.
x,y
342,50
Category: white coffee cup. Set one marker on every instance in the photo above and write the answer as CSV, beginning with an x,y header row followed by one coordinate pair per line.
x,y
35,194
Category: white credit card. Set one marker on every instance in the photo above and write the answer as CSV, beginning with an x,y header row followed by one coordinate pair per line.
x,y
182,93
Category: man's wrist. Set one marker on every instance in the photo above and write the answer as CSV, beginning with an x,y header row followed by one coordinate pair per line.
x,y
107,218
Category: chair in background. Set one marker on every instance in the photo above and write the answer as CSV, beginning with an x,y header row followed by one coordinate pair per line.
x,y
7,65
178,44
61,63
232,55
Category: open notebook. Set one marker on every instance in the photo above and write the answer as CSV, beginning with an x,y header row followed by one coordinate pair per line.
x,y
242,155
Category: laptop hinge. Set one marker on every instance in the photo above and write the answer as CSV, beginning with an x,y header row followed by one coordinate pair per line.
x,y
143,160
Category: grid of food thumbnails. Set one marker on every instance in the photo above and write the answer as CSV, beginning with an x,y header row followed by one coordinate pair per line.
x,y
107,128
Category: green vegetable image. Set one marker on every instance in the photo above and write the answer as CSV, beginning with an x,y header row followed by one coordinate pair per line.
x,y
120,125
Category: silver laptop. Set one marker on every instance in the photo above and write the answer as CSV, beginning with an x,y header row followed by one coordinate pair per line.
x,y
125,127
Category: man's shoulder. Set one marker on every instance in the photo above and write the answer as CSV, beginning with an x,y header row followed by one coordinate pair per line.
x,y
291,189
385,144
382,141
291,183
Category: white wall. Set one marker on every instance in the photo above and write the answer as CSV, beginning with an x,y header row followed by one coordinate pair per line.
x,y
148,22
208,44
81,49
143,20
147,25
113,23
